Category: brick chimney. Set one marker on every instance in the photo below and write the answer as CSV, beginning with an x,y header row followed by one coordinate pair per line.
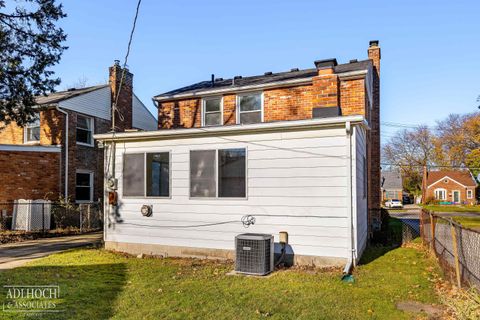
x,y
326,85
374,188
123,116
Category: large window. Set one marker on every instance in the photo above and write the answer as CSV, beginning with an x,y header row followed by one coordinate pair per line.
x,y
249,108
146,175
84,186
158,174
440,194
212,111
218,173
32,131
84,130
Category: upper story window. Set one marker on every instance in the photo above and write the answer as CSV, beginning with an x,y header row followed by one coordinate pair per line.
x,y
84,130
212,111
32,131
250,108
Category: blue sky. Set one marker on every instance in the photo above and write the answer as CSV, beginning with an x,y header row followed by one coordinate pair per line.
x,y
430,49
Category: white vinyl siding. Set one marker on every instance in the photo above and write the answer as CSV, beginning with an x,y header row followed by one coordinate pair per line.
x,y
141,117
95,103
296,182
360,188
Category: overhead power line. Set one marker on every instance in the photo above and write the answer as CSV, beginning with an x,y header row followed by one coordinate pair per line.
x,y
428,166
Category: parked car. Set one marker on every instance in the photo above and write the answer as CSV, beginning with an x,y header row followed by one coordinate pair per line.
x,y
394,203
406,199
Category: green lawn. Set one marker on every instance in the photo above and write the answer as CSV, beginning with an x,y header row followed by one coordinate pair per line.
x,y
96,284
452,208
472,221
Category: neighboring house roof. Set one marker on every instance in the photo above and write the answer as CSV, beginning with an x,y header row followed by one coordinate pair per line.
x,y
391,180
461,177
267,78
67,94
96,101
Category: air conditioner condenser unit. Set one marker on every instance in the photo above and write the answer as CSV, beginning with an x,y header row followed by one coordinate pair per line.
x,y
254,253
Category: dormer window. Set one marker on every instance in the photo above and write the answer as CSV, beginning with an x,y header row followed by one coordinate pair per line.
x,y
32,131
250,108
212,112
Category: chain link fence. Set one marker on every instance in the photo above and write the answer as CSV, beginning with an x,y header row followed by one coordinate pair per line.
x,y
44,216
457,248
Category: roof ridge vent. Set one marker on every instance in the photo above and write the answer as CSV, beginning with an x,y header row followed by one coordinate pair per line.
x,y
71,89
294,70
268,73
237,77
353,60
219,79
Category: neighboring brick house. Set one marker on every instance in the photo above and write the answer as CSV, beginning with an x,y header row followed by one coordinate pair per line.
x,y
449,187
392,186
34,159
328,90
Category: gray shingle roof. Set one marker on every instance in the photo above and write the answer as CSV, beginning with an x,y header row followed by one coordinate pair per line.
x,y
393,180
263,79
64,95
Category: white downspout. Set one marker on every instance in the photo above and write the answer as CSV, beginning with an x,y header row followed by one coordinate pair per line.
x,y
66,150
351,260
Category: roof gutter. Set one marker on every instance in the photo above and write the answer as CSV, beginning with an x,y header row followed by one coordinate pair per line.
x,y
279,126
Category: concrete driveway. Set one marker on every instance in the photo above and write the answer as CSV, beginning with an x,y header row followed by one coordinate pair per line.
x,y
13,255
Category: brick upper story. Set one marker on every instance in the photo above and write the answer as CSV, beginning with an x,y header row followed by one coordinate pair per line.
x,y
345,89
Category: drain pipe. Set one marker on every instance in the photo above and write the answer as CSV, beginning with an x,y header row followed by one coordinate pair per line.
x,y
351,260
66,149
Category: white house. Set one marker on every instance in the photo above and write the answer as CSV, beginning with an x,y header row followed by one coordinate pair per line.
x,y
305,177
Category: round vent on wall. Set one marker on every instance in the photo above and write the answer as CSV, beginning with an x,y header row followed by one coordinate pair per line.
x,y
146,210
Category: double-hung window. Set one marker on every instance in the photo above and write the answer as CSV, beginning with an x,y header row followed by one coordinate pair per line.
x,y
32,131
440,194
249,106
469,193
218,173
84,130
212,112
84,186
146,174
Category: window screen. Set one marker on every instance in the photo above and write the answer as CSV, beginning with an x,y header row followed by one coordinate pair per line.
x,y
158,174
231,173
133,175
202,173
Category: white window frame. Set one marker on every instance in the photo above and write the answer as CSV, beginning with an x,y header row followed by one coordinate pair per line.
x,y
444,193
29,126
145,175
217,169
237,105
92,126
204,100
469,194
92,186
